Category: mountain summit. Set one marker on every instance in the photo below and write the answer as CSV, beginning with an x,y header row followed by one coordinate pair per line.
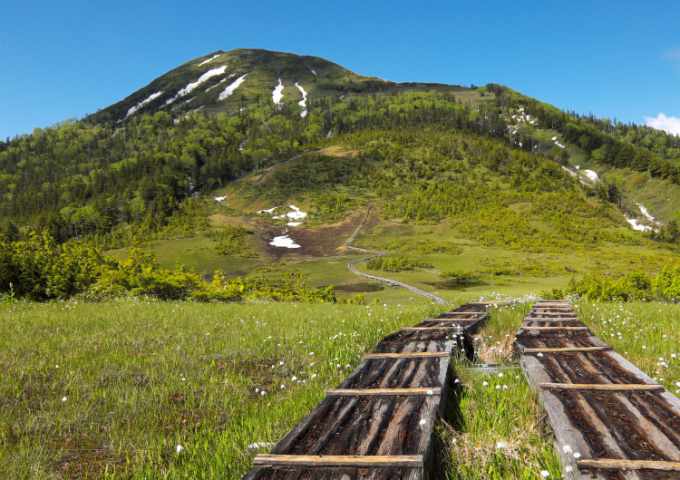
x,y
224,81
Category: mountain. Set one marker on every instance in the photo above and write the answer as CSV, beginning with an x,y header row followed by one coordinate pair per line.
x,y
226,116
226,81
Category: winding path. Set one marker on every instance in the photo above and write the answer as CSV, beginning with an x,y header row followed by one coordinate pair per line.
x,y
351,266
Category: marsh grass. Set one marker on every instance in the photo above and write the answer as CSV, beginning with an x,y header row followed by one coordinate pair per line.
x,y
146,390
136,389
646,333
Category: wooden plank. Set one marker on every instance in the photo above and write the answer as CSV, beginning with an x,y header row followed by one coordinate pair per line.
x,y
552,319
450,320
378,392
361,422
465,313
340,460
428,329
623,464
565,349
406,355
555,329
612,387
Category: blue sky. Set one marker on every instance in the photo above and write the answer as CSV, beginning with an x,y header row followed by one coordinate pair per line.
x,y
619,59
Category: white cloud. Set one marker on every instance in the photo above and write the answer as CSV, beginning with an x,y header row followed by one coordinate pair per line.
x,y
672,55
662,122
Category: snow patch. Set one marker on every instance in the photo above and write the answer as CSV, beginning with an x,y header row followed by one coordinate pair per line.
x,y
303,102
220,199
646,213
209,60
313,72
277,93
143,103
636,225
294,216
283,241
214,72
591,175
296,213
231,88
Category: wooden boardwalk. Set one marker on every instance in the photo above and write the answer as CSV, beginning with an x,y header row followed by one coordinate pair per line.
x,y
610,420
379,423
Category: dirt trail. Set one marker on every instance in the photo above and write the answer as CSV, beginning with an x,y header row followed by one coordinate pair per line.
x,y
351,266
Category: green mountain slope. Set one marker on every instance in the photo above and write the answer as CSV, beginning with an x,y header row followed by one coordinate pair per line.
x,y
485,165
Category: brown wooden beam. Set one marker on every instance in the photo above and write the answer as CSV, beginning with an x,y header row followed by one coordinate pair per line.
x,y
384,392
378,356
340,460
555,329
565,349
622,464
453,320
610,387
427,329
465,313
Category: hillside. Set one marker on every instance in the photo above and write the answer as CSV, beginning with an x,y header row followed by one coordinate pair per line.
x,y
202,178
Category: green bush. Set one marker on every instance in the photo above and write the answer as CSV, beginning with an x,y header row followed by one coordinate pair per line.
x,y
629,287
140,275
395,263
231,240
40,269
458,279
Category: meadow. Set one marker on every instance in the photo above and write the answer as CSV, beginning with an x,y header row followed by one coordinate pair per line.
x,y
147,389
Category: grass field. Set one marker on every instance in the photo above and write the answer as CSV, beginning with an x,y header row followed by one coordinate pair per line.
x,y
168,390
136,389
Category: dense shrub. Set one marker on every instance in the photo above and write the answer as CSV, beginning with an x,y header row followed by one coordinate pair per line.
x,y
458,279
38,268
231,240
663,286
396,263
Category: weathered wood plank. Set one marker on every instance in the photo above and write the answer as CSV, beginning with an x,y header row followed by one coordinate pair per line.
x,y
401,384
429,329
565,349
611,387
370,356
339,460
554,318
626,417
623,464
555,329
381,392
456,314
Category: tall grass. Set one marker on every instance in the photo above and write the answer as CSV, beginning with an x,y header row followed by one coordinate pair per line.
x,y
168,390
646,333
146,390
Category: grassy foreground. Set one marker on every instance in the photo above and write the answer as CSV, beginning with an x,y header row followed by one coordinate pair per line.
x,y
168,390
135,389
